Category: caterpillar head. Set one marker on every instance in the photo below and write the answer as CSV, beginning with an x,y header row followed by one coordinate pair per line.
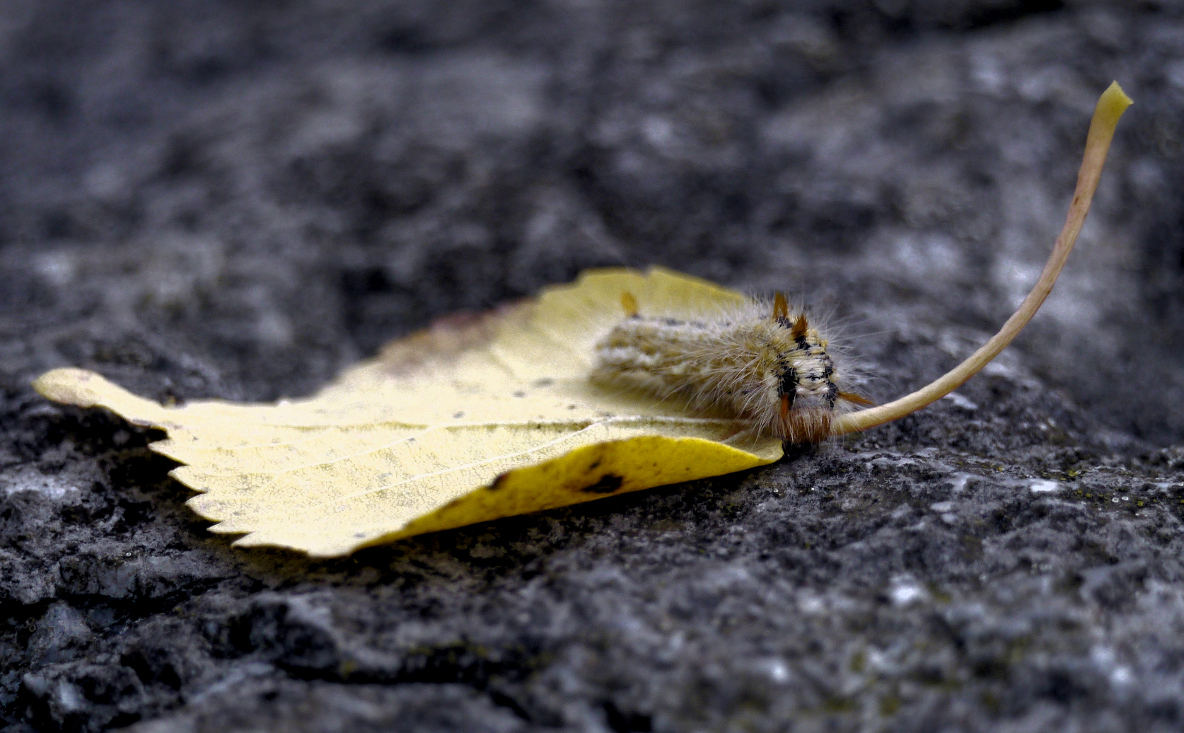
x,y
807,386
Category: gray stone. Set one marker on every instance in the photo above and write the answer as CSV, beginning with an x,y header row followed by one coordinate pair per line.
x,y
238,200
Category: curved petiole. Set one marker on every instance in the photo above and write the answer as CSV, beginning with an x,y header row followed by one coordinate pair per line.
x,y
1111,105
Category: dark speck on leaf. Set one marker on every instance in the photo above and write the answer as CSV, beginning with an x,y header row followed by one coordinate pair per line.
x,y
606,485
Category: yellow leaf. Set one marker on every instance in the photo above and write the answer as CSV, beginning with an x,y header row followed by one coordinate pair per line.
x,y
474,419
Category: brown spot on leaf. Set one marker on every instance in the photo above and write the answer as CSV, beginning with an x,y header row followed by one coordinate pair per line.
x,y
607,484
448,337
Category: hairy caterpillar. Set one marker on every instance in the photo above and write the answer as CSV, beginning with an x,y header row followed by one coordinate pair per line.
x,y
760,362
770,369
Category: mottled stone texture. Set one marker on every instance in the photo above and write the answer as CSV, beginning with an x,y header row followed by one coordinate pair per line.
x,y
236,200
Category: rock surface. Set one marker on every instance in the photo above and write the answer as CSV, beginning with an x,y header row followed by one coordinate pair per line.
x,y
236,200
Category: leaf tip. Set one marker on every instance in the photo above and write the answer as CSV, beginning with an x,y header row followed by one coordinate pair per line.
x,y
82,388
69,386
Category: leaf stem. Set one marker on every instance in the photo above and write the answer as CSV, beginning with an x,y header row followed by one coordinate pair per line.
x,y
1111,105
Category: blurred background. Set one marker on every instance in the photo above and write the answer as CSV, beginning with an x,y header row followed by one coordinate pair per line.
x,y
203,198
